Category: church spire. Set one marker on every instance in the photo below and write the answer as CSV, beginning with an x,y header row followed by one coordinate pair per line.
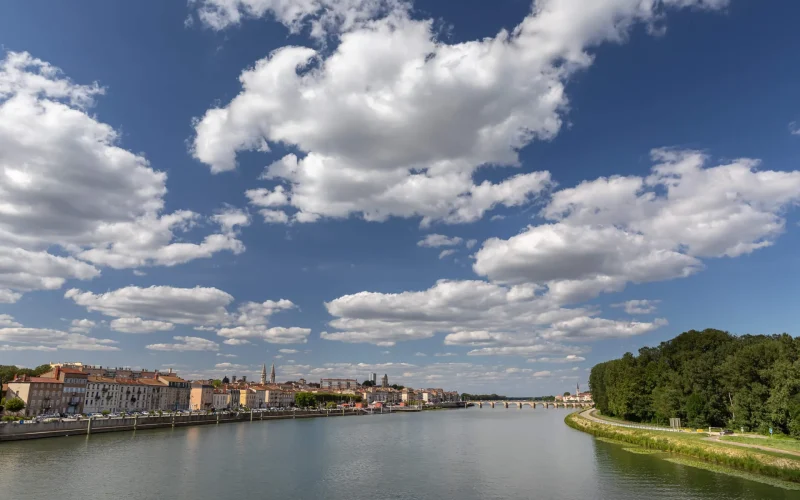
x,y
264,373
272,374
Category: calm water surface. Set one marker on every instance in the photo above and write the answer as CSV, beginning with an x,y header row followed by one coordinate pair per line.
x,y
473,454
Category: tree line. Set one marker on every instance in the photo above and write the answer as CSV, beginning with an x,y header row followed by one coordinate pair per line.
x,y
496,397
7,372
313,400
706,378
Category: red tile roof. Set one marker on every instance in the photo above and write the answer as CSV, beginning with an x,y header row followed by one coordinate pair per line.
x,y
39,380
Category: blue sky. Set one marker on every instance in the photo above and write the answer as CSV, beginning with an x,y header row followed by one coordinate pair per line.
x,y
358,186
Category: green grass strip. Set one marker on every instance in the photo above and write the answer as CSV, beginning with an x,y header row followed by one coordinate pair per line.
x,y
742,459
641,451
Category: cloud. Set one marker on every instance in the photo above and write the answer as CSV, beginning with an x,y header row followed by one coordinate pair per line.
x,y
69,188
794,129
81,325
184,306
325,17
613,231
43,339
186,344
288,351
227,355
445,354
471,243
395,122
43,348
7,321
230,366
420,354
570,358
541,374
274,335
505,320
139,325
236,342
439,240
445,253
258,313
8,297
639,306
586,328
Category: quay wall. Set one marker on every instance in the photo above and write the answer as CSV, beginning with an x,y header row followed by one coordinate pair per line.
x,y
15,432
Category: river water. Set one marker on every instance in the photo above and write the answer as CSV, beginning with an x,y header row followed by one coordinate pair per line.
x,y
472,454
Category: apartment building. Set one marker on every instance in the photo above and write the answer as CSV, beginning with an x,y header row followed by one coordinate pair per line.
x,y
248,397
73,392
177,393
221,399
338,383
201,396
278,398
124,395
41,395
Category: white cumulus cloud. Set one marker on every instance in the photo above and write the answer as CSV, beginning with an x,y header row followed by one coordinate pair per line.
x,y
394,121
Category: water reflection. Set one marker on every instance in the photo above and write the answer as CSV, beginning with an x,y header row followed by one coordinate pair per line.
x,y
469,454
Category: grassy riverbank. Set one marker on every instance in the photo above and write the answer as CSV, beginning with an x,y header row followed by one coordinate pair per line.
x,y
783,467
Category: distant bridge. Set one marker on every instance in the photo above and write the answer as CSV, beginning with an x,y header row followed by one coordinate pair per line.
x,y
532,404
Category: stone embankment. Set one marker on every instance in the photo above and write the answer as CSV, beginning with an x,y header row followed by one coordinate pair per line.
x,y
10,431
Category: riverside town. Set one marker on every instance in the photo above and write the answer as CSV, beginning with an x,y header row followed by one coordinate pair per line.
x,y
78,391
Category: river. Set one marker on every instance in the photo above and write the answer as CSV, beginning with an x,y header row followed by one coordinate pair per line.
x,y
472,454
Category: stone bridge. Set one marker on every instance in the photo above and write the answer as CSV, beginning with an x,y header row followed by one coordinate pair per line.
x,y
532,404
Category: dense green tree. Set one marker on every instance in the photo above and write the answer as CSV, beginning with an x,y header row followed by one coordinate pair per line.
x,y
14,405
305,399
368,383
8,372
706,378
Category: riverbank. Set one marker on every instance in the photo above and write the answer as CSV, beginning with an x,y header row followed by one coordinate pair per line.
x,y
772,464
20,432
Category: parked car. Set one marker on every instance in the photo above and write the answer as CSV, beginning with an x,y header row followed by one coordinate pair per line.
x,y
726,432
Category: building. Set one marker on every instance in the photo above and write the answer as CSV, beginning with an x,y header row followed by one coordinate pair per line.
x,y
582,397
177,394
103,394
73,386
272,374
372,395
338,383
249,398
201,396
264,373
373,377
274,397
221,399
124,395
41,395
385,381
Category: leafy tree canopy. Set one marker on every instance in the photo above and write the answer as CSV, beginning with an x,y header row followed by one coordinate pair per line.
x,y
14,405
706,378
